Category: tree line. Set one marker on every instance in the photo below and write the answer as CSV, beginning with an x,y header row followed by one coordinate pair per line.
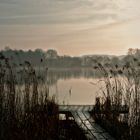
x,y
51,59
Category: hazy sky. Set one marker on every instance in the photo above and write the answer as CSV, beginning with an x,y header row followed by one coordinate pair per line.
x,y
72,27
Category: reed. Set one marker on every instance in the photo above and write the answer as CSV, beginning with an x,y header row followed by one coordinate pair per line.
x,y
26,111
121,87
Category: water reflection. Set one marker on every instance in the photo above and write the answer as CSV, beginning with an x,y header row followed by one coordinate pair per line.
x,y
64,74
73,86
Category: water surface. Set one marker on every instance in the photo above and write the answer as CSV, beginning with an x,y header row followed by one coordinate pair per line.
x,y
74,86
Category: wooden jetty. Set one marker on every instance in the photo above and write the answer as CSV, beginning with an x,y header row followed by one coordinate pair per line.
x,y
81,115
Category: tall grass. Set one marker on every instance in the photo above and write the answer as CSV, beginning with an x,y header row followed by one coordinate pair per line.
x,y
121,87
26,111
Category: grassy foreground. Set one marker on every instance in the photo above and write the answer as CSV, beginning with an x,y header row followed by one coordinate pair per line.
x,y
26,112
121,86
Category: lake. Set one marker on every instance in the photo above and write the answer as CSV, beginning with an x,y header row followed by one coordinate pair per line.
x,y
77,86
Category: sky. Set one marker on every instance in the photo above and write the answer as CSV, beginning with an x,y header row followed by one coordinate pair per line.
x,y
72,27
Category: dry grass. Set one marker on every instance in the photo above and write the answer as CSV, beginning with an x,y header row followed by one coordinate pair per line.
x,y
121,87
26,112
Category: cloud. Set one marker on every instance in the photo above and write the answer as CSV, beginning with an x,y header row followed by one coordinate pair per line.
x,y
77,24
8,2
54,11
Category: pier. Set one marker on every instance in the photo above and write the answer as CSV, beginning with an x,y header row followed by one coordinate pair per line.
x,y
81,115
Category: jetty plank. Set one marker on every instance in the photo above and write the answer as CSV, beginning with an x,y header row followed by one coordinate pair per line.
x,y
82,117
